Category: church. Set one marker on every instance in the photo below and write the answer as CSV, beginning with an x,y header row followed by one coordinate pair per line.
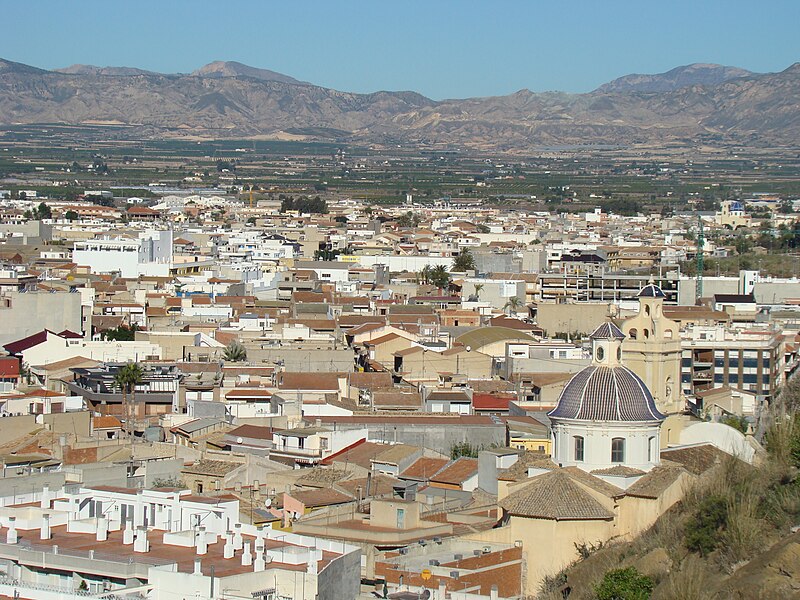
x,y
608,477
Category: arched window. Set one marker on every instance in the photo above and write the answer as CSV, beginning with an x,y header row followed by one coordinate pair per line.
x,y
618,450
600,353
651,446
579,448
668,334
647,310
646,333
632,333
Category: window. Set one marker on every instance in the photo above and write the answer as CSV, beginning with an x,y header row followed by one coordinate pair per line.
x,y
600,353
618,450
651,443
579,448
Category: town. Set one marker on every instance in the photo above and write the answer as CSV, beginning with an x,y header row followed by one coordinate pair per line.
x,y
231,383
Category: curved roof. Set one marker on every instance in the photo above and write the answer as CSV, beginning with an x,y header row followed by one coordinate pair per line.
x,y
607,331
482,336
651,290
600,393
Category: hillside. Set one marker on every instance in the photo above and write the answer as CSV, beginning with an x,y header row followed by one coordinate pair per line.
x,y
233,100
674,79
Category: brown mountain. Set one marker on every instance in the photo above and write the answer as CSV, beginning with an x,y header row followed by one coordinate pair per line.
x,y
236,69
674,79
228,101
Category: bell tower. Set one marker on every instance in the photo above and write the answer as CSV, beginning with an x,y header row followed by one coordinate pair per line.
x,y
652,349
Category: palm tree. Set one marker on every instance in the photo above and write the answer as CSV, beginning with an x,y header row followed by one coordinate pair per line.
x,y
478,290
424,275
235,352
464,261
439,277
126,378
513,304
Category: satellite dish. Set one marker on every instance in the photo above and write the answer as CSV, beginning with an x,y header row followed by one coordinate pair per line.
x,y
268,502
239,440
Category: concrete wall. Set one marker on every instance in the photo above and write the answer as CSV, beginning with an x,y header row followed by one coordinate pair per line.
x,y
76,423
306,361
438,437
31,312
583,317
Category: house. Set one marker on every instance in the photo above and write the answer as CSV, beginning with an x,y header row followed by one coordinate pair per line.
x,y
308,446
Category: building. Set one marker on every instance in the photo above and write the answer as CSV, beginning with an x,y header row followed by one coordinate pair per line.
x,y
748,359
166,544
606,416
652,349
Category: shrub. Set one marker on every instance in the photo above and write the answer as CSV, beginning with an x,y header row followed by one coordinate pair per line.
x,y
703,528
624,584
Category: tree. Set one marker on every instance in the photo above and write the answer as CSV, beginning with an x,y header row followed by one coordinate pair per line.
x,y
464,261
477,293
513,304
409,219
43,211
624,584
71,215
703,529
120,334
439,277
235,352
126,378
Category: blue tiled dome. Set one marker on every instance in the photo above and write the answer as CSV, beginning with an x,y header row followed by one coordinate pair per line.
x,y
599,393
651,290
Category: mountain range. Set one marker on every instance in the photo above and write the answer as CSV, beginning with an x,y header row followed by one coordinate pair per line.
x,y
693,104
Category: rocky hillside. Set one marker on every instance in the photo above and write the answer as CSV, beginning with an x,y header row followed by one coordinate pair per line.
x,y
698,104
674,79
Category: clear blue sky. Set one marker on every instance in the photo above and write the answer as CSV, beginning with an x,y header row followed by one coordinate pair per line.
x,y
443,49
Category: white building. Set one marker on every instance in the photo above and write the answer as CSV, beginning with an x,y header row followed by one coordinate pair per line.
x,y
606,417
150,254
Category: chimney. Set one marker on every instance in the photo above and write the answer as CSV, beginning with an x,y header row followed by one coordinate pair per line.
x,y
138,510
198,566
141,544
493,593
256,489
102,529
442,589
237,536
259,564
45,503
202,544
227,550
317,422
247,558
127,534
11,534
44,532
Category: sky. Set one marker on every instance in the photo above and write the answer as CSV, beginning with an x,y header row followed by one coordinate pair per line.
x,y
442,49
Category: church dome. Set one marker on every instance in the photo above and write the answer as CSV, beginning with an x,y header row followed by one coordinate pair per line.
x,y
600,393
651,290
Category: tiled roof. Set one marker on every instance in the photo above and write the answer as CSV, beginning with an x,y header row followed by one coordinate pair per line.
x,y
654,483
457,472
607,331
210,467
695,459
556,496
651,291
424,468
606,394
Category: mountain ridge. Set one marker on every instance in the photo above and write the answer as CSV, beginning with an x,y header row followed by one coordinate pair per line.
x,y
757,109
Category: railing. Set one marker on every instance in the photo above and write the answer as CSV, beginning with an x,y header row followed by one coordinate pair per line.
x,y
144,559
43,587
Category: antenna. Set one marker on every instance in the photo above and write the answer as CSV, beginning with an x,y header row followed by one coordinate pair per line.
x,y
701,240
